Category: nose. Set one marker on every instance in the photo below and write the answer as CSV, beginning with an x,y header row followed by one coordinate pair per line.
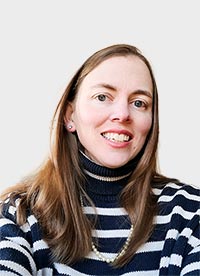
x,y
120,112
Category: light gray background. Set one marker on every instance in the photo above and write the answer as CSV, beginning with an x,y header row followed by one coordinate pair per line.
x,y
44,42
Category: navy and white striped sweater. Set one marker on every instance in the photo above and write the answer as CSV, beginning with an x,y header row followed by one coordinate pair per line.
x,y
173,248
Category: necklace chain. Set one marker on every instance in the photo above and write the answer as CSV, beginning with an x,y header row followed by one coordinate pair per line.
x,y
120,253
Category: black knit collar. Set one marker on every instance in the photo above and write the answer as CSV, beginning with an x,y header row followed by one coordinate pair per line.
x,y
105,181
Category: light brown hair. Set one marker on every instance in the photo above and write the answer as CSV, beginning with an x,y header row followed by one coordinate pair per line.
x,y
53,192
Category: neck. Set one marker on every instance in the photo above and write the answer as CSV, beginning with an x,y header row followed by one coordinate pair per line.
x,y
103,181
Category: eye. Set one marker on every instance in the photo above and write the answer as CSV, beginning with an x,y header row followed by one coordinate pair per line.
x,y
101,97
139,103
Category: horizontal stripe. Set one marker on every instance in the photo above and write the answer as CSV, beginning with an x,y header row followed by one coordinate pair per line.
x,y
105,211
18,248
32,220
12,210
142,273
168,198
195,266
16,267
193,241
5,221
173,186
107,178
195,250
20,241
63,269
162,219
151,246
25,228
115,233
172,234
174,259
8,273
45,272
38,245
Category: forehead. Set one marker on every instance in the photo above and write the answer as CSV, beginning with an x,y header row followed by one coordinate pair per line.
x,y
120,69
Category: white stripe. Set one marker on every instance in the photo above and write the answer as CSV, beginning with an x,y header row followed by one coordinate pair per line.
x,y
176,260
151,246
172,234
7,273
176,210
70,271
63,269
164,262
187,232
174,186
142,273
15,246
16,267
12,210
157,191
39,245
105,211
32,220
191,267
45,271
20,241
107,178
162,219
5,221
25,228
167,198
195,250
116,233
148,247
193,241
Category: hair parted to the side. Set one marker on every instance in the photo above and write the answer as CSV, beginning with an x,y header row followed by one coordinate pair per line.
x,y
53,192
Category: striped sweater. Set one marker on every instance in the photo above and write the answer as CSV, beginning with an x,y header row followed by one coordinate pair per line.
x,y
172,249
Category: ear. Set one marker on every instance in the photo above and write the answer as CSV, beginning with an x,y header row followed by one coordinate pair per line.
x,y
68,119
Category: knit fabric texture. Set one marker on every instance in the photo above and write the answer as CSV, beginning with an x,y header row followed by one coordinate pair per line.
x,y
172,249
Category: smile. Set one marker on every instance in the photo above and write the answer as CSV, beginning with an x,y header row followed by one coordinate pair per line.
x,y
116,137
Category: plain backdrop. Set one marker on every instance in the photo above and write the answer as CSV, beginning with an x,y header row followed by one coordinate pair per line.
x,y
42,44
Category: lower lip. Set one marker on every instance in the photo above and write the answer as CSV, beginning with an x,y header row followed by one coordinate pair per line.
x,y
116,144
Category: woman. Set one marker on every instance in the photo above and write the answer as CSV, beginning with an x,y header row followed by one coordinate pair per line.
x,y
98,205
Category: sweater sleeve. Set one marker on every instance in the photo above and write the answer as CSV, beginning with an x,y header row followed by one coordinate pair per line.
x,y
181,251
191,263
16,256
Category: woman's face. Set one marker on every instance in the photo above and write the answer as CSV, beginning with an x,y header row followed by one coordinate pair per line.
x,y
112,112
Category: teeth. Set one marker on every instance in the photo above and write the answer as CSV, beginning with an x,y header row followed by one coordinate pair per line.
x,y
116,137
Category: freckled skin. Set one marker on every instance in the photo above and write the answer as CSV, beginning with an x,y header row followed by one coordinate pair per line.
x,y
109,100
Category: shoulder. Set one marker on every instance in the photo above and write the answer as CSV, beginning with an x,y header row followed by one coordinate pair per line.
x,y
179,199
22,246
8,218
173,191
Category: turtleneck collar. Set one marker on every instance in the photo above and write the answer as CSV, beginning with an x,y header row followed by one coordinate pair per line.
x,y
105,181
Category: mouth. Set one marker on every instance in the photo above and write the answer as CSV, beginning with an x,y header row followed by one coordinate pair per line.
x,y
116,137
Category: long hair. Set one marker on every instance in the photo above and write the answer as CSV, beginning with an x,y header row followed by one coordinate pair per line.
x,y
52,193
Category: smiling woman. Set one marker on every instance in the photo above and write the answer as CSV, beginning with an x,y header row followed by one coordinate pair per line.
x,y
98,205
118,93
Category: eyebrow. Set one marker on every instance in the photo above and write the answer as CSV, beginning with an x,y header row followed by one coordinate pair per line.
x,y
113,88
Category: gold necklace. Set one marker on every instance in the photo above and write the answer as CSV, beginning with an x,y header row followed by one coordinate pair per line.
x,y
119,254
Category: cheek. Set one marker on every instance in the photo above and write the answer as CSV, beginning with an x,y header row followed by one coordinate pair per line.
x,y
86,119
144,124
